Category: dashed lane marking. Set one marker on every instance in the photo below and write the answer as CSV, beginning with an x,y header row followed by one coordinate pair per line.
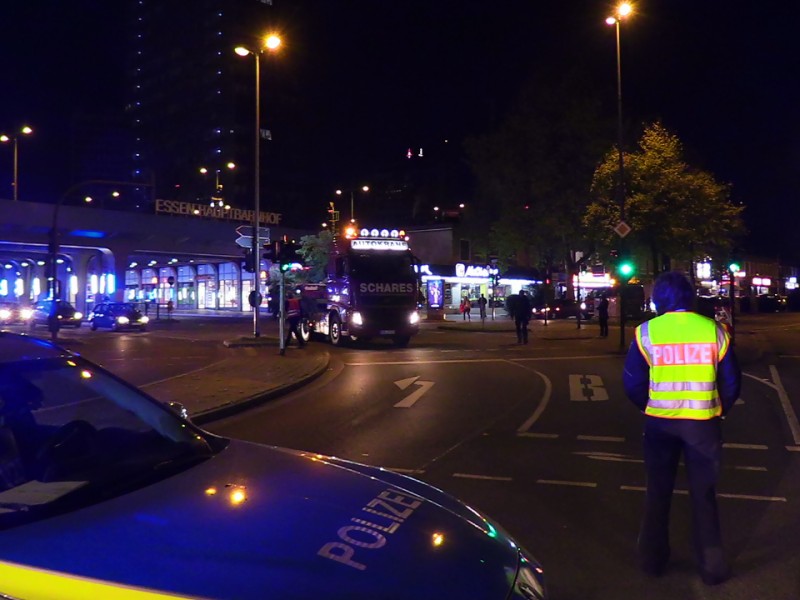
x,y
634,488
542,436
793,448
746,468
745,446
589,484
600,438
481,477
406,471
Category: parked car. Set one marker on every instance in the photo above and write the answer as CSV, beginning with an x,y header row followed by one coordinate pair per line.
x,y
118,316
12,313
108,492
65,313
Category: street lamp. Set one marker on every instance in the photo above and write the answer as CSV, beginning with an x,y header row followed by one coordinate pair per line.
x,y
363,188
623,10
5,138
271,43
217,201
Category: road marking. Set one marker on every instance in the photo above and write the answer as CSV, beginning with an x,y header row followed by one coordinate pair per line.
x,y
543,436
745,446
600,438
590,484
609,456
412,398
791,416
477,360
793,448
406,471
745,468
586,387
481,477
548,390
633,488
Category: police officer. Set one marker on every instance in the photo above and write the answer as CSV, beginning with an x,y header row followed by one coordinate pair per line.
x,y
682,373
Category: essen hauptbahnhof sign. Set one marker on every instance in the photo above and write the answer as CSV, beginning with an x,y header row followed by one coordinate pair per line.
x,y
176,207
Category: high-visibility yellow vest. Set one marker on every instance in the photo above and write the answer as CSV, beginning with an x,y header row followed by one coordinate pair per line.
x,y
683,350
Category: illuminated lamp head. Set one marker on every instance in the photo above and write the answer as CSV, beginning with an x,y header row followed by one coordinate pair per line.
x,y
350,233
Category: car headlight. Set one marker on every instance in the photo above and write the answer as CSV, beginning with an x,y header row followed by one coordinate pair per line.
x,y
529,584
583,305
413,318
5,314
144,319
123,320
356,318
26,313
78,315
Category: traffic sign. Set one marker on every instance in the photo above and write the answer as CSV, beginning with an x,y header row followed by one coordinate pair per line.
x,y
245,241
622,229
247,230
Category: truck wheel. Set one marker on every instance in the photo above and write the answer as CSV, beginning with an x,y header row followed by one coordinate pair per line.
x,y
401,341
305,331
335,330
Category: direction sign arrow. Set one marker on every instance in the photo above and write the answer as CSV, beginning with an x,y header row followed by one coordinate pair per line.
x,y
263,232
245,241
412,398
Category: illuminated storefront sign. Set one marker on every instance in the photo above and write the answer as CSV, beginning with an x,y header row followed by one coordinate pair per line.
x,y
174,207
762,281
463,270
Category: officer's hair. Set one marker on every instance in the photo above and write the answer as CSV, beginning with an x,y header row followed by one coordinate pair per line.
x,y
672,291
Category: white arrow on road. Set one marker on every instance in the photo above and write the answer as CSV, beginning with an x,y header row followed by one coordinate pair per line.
x,y
411,399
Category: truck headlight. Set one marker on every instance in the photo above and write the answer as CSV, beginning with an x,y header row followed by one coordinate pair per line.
x,y
356,318
413,318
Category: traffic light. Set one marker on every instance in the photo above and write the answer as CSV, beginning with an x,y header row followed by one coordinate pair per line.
x,y
271,251
248,264
288,256
734,267
625,270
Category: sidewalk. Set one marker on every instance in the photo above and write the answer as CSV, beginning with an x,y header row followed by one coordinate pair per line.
x,y
254,372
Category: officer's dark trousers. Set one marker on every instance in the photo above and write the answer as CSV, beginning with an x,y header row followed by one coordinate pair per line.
x,y
700,442
522,330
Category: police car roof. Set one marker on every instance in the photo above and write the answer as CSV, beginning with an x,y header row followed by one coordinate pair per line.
x,y
18,346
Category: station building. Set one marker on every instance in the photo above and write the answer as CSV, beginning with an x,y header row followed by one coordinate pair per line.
x,y
186,253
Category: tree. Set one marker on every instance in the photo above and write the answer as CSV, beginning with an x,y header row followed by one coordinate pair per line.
x,y
534,173
674,210
315,250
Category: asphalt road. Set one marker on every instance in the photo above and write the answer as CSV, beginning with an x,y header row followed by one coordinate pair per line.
x,y
540,437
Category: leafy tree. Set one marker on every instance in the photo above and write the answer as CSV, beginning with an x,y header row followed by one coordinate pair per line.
x,y
534,173
315,250
674,210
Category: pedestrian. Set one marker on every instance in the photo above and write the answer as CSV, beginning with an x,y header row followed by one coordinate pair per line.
x,y
465,309
522,315
482,304
602,315
682,373
293,319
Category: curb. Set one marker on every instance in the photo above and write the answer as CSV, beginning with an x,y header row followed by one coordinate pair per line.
x,y
227,410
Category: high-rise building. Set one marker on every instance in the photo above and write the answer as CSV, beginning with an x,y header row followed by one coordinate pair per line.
x,y
192,99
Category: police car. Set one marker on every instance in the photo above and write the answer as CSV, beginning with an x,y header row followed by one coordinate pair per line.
x,y
107,493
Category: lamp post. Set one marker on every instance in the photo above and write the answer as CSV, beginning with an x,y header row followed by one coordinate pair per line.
x,y
622,11
363,188
5,138
271,42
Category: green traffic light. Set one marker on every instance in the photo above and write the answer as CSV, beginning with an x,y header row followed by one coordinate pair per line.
x,y
734,267
626,269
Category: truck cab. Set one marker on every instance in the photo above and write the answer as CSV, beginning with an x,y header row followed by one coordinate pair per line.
x,y
371,289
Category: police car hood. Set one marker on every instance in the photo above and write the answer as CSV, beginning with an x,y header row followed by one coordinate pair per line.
x,y
264,522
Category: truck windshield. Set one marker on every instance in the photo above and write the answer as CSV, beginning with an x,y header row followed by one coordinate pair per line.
x,y
382,266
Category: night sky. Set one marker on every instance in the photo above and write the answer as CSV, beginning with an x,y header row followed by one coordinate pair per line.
x,y
367,79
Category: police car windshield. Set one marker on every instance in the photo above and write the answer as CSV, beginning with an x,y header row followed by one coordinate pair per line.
x,y
71,435
382,265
